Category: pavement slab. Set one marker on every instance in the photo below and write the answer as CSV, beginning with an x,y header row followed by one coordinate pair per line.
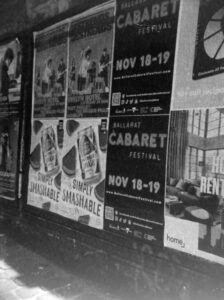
x,y
26,275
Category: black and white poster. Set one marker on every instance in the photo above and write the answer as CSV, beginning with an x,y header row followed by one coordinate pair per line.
x,y
198,69
195,183
145,38
209,51
50,72
135,176
9,130
90,60
10,79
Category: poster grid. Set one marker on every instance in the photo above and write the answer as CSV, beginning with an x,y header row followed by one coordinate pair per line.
x,y
144,51
68,149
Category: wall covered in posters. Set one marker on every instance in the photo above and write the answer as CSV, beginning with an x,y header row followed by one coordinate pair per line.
x,y
10,100
70,117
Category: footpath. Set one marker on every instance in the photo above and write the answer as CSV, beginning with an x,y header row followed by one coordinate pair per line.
x,y
24,274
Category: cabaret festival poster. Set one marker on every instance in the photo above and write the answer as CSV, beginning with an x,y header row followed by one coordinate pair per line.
x,y
135,177
145,39
90,59
50,67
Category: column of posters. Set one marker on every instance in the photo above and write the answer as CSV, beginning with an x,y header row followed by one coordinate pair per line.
x,y
194,199
10,100
141,90
47,136
84,160
69,138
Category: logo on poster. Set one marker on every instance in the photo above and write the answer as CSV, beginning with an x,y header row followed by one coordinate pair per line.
x,y
175,240
116,99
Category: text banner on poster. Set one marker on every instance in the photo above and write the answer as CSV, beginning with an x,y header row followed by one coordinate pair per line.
x,y
145,38
90,65
199,63
195,183
9,131
84,167
135,176
50,72
45,164
10,79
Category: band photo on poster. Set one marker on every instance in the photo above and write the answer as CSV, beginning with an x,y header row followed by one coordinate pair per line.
x,y
50,72
90,56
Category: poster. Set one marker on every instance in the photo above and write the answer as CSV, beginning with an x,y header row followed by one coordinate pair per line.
x,y
83,171
135,176
195,183
209,48
145,39
50,69
9,131
10,79
199,62
45,164
90,65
